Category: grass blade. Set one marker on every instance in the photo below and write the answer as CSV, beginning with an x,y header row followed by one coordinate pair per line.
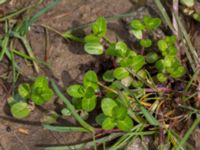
x,y
4,46
64,129
43,11
164,14
6,17
149,117
28,49
87,144
193,52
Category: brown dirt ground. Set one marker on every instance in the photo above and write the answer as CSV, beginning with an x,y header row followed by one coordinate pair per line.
x,y
68,62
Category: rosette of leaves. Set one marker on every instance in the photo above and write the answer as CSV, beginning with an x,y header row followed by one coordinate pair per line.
x,y
84,95
93,45
141,27
39,93
114,115
127,59
169,64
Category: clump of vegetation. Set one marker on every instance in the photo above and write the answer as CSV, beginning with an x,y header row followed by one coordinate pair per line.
x,y
38,93
130,99
129,74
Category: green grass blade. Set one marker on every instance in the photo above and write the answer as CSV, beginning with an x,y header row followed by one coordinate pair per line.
x,y
149,117
64,129
24,56
87,144
49,6
13,14
28,49
193,52
71,108
70,36
4,46
164,14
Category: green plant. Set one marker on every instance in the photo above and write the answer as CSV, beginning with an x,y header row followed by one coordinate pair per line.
x,y
121,91
85,95
130,73
39,93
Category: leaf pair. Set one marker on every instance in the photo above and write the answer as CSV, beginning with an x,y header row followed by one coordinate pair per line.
x,y
39,93
148,23
92,42
114,115
139,27
170,63
86,93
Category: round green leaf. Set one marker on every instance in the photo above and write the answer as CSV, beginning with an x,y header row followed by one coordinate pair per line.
x,y
89,92
151,57
162,45
196,16
111,50
178,72
108,124
172,50
139,62
99,27
77,103
24,90
121,49
40,82
125,62
151,23
170,39
108,76
20,110
119,112
40,96
137,24
76,91
137,33
90,80
91,39
93,48
100,118
120,73
145,43
107,106
137,84
161,77
169,61
126,124
88,104
41,92
160,65
127,81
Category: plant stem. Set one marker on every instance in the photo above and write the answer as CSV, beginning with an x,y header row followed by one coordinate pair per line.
x,y
86,145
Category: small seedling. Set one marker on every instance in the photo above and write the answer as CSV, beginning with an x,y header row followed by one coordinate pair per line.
x,y
39,93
